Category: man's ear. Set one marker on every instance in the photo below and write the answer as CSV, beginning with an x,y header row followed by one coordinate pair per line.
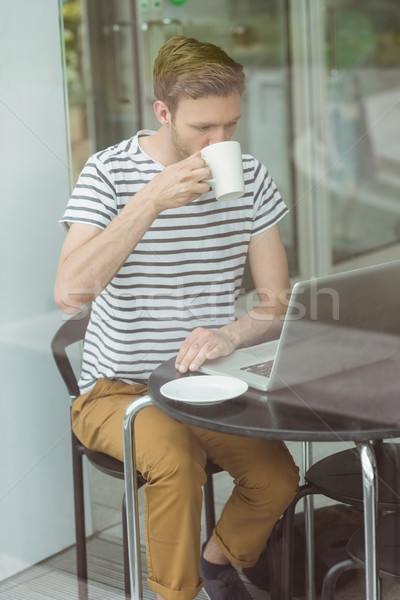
x,y
162,112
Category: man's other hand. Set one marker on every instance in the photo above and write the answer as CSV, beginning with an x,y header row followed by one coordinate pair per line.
x,y
200,345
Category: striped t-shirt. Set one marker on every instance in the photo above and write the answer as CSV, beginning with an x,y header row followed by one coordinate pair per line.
x,y
185,272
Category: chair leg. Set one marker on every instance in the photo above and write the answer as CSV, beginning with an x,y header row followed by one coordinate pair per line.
x,y
273,569
127,577
80,527
287,542
209,505
329,583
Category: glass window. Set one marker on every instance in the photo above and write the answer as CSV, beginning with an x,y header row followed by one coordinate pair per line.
x,y
111,46
363,125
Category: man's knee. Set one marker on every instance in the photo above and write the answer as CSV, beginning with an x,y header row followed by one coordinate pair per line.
x,y
275,476
287,485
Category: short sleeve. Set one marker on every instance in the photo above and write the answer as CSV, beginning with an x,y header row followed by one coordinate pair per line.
x,y
269,207
93,200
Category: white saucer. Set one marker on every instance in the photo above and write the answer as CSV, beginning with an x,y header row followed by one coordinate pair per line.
x,y
205,389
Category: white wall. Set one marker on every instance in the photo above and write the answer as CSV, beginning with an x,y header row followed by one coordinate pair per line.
x,y
36,509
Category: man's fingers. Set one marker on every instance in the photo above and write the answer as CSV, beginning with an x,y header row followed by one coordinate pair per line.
x,y
200,345
191,349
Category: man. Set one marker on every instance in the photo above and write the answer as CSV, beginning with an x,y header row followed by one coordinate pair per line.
x,y
162,261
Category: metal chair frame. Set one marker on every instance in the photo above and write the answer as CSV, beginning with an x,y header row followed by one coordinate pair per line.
x,y
355,489
388,568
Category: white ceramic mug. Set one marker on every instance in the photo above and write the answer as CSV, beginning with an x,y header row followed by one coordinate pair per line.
x,y
225,162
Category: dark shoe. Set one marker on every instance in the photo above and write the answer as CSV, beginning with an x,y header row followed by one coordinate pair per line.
x,y
226,586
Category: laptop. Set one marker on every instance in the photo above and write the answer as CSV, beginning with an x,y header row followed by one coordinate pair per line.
x,y
333,324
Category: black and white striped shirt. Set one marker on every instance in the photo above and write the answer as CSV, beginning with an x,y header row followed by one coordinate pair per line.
x,y
185,272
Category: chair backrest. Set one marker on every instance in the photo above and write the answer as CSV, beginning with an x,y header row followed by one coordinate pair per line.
x,y
70,332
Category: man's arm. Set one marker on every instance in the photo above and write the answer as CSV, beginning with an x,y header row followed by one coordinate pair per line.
x,y
91,257
269,269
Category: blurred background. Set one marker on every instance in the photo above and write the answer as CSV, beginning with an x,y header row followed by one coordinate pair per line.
x,y
322,107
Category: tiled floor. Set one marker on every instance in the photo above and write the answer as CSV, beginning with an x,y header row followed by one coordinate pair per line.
x,y
54,579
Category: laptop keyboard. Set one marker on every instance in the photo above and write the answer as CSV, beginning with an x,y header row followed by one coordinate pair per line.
x,y
262,368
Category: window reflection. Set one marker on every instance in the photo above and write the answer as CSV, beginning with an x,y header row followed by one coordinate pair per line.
x,y
363,125
81,147
357,161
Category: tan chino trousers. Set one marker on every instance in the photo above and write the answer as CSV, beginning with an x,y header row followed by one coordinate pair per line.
x,y
171,456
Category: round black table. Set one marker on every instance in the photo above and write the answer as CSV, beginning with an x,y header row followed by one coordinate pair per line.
x,y
284,415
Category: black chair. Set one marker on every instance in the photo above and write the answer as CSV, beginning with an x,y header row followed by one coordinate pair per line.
x,y
339,477
71,332
388,553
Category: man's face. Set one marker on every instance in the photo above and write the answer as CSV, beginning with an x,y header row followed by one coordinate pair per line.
x,y
199,123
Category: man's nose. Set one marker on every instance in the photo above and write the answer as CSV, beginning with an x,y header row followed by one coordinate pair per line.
x,y
219,136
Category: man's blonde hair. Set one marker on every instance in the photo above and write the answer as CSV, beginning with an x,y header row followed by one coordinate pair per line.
x,y
187,68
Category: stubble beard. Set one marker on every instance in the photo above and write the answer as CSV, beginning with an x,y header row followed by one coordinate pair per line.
x,y
179,145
